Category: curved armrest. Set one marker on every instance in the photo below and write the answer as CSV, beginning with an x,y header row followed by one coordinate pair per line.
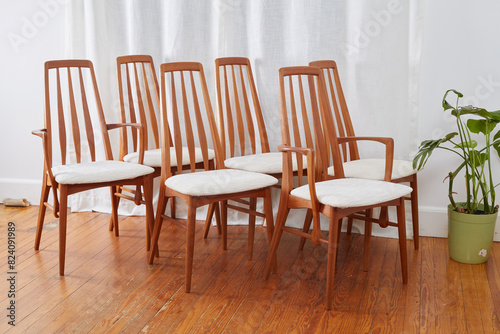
x,y
139,127
389,150
311,181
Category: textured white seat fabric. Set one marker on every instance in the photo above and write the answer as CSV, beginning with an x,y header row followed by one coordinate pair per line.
x,y
217,182
347,193
99,171
153,157
374,169
267,163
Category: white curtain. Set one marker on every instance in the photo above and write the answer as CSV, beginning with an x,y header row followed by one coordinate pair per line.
x,y
376,45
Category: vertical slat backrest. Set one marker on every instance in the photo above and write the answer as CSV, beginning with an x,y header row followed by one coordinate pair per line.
x,y
239,111
69,84
338,106
185,99
301,108
138,92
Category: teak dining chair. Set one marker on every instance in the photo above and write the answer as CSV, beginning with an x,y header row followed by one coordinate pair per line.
x,y
354,166
190,112
240,123
139,95
73,162
306,125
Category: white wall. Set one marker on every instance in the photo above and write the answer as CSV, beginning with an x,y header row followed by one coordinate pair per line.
x,y
460,50
32,32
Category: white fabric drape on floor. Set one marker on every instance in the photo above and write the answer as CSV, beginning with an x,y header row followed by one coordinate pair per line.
x,y
376,45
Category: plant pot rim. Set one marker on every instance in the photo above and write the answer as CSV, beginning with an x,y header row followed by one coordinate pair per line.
x,y
451,209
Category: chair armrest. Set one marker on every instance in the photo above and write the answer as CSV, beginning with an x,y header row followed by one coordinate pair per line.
x,y
139,127
311,181
389,150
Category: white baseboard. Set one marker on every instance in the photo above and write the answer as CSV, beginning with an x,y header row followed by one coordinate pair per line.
x,y
21,188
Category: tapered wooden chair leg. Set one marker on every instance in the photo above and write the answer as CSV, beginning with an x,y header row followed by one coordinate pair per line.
x,y
191,220
367,240
208,220
268,210
148,198
162,205
350,221
251,227
414,211
115,200
223,209
278,231
63,217
332,259
41,213
402,240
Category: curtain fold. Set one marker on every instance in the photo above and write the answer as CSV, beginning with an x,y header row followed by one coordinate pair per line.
x,y
376,45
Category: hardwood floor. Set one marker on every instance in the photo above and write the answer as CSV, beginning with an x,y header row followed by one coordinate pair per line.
x,y
109,287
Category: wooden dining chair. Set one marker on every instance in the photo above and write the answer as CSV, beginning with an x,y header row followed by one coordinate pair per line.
x,y
306,129
73,158
188,110
139,96
241,126
354,166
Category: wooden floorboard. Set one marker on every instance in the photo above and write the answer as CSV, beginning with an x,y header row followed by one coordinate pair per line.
x,y
110,288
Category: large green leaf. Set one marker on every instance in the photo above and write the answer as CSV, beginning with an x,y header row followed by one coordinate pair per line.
x,y
484,126
470,110
496,146
445,103
497,135
467,144
477,159
426,148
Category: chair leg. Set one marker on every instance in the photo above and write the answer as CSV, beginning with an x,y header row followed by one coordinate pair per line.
x,y
162,205
402,240
278,231
251,228
63,216
191,220
223,213
414,211
115,200
208,220
172,208
367,240
218,218
268,211
350,221
332,258
148,199
41,212
305,229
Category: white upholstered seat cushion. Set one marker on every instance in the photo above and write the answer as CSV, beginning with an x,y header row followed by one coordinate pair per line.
x,y
99,171
267,163
153,157
348,193
217,182
374,169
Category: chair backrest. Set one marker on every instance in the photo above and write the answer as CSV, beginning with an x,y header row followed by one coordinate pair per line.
x,y
239,116
72,110
186,106
306,120
138,92
338,105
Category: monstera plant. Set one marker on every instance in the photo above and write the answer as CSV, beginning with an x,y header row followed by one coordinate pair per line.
x,y
475,142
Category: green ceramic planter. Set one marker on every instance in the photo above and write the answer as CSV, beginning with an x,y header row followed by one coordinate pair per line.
x,y
470,236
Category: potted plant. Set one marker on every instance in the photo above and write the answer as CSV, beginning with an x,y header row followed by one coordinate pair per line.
x,y
471,223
